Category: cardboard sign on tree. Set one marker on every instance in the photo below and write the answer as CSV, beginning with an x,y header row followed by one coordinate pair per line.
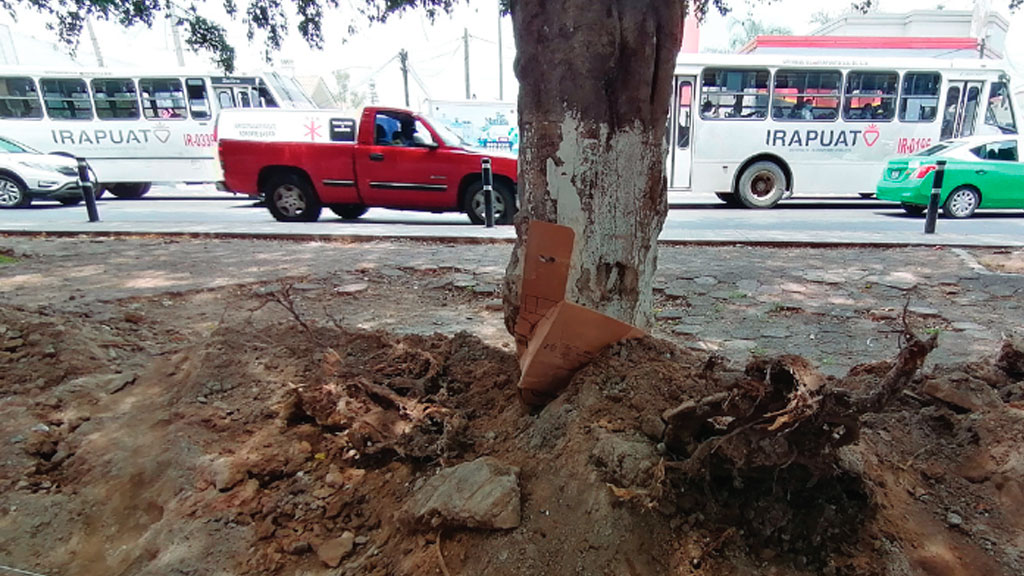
x,y
555,338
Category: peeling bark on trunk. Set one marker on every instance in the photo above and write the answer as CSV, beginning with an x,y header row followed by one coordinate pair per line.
x,y
595,80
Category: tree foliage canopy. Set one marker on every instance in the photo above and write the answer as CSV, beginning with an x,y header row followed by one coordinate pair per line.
x,y
272,18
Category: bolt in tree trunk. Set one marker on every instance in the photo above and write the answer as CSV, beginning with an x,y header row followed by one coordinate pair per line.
x,y
595,79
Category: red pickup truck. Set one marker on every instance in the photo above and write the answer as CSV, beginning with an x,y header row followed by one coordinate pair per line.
x,y
300,161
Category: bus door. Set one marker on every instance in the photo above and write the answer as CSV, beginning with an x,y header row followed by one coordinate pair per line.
x,y
680,158
963,101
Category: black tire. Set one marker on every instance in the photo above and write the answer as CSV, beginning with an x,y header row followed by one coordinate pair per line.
x,y
761,185
730,199
504,203
71,201
348,211
13,194
291,198
913,209
866,195
129,190
961,202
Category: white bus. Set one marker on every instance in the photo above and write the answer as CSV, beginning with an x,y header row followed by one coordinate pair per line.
x,y
756,129
133,128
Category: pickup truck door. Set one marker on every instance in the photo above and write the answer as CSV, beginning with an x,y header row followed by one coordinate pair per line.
x,y
399,172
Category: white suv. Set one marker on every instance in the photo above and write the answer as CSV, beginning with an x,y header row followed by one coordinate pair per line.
x,y
26,174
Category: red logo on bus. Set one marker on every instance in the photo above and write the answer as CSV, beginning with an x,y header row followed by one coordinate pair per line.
x,y
312,130
871,135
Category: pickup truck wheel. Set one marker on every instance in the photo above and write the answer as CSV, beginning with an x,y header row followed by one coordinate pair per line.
x,y
291,199
348,211
504,203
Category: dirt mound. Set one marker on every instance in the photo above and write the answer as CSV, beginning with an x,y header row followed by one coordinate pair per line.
x,y
175,437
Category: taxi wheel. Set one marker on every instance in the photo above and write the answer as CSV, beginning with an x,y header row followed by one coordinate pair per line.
x,y
961,202
13,193
913,209
290,198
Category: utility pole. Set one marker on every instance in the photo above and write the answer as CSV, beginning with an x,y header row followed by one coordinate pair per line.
x,y
95,42
501,69
177,39
465,49
403,59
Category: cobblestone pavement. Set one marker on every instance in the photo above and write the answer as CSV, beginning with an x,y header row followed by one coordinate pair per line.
x,y
837,306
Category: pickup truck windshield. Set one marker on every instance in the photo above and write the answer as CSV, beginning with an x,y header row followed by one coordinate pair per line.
x,y
449,137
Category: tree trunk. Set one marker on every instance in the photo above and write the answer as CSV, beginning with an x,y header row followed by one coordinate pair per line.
x,y
595,79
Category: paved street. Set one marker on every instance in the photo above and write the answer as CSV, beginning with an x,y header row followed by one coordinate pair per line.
x,y
693,218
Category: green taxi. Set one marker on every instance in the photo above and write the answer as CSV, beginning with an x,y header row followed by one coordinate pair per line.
x,y
981,172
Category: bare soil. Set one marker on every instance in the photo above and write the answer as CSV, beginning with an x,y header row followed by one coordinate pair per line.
x,y
237,428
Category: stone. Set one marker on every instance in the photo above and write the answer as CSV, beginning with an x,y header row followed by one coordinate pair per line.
x,y
691,329
333,551
678,289
483,493
793,287
968,327
485,289
671,315
705,281
954,519
305,287
226,473
963,392
775,332
299,547
351,288
899,280
924,311
494,305
748,286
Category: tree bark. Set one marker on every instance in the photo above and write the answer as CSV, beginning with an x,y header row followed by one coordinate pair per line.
x,y
595,81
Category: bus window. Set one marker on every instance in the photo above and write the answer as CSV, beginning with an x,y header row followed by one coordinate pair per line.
x,y
225,98
949,115
919,101
162,99
1000,109
734,94
802,95
870,96
115,99
19,98
198,103
685,103
970,111
66,99
266,98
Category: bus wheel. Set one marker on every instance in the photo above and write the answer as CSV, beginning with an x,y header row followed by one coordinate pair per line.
x,y
729,198
348,211
761,185
291,199
129,190
961,203
504,203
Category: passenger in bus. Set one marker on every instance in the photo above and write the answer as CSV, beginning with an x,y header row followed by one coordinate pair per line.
x,y
802,110
706,109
